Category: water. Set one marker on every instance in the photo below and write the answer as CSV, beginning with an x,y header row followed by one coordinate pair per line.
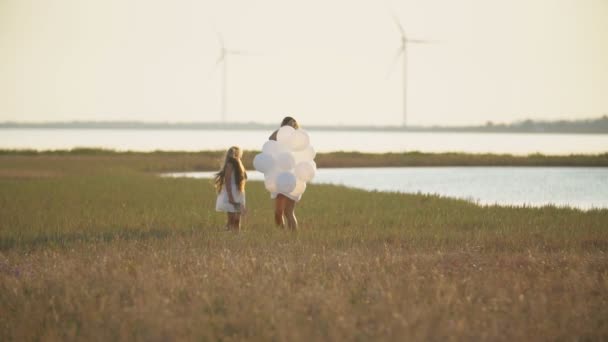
x,y
323,141
582,187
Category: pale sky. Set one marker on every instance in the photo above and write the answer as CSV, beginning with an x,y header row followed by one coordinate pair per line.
x,y
321,61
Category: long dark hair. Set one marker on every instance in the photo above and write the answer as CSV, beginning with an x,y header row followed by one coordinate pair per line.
x,y
233,156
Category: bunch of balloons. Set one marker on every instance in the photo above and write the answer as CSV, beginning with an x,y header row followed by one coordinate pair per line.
x,y
287,163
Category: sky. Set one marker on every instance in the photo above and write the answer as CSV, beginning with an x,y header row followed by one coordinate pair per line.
x,y
321,61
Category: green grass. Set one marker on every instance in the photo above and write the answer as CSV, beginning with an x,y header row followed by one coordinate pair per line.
x,y
210,160
95,246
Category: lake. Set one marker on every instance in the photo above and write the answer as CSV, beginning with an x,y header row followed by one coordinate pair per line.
x,y
323,141
580,187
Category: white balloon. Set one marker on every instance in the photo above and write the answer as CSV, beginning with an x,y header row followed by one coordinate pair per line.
x,y
305,171
286,182
270,181
307,154
299,140
284,134
299,189
273,148
263,162
285,161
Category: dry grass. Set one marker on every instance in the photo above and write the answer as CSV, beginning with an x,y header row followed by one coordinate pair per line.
x,y
105,251
234,287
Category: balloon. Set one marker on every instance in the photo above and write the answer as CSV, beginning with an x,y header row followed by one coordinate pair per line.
x,y
263,162
299,140
307,154
273,148
285,161
270,181
284,134
305,171
286,182
299,189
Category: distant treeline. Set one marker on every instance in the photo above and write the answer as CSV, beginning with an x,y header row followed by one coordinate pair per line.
x,y
586,126
599,125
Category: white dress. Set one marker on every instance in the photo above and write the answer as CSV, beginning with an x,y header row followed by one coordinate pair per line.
x,y
274,195
222,203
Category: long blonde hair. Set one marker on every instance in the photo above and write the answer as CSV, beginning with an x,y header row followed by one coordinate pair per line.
x,y
233,156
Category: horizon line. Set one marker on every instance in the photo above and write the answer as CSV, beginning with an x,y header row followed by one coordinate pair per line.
x,y
488,123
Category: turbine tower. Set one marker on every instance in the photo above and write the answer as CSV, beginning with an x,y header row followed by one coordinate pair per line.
x,y
402,52
223,59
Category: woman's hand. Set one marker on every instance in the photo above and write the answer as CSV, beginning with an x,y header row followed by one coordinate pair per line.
x,y
236,205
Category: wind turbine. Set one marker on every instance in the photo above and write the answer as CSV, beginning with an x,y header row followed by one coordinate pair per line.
x,y
402,52
223,59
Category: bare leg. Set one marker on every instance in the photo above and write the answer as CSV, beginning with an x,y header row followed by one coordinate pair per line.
x,y
229,221
236,220
279,210
290,214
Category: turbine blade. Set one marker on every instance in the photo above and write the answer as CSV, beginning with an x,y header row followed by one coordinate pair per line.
x,y
220,39
240,52
394,61
212,72
397,22
219,60
420,41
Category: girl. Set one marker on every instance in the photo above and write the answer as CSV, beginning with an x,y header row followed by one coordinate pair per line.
x,y
230,186
284,204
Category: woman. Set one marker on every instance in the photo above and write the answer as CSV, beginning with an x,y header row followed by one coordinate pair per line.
x,y
284,204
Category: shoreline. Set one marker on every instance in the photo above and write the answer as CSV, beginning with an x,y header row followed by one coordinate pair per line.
x,y
208,175
597,125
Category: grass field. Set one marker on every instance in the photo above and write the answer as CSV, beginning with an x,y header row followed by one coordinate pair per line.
x,y
95,246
